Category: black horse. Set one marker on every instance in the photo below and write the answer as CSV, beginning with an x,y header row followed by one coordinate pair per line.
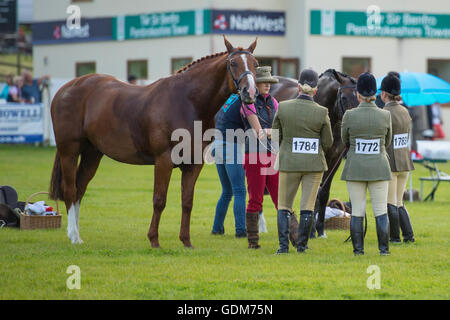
x,y
337,92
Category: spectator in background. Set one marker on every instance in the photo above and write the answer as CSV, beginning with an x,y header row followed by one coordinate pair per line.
x,y
436,121
132,79
10,91
30,89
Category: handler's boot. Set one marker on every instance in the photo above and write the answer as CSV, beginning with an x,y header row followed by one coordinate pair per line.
x,y
312,234
283,231
405,225
357,234
304,229
252,229
382,223
394,224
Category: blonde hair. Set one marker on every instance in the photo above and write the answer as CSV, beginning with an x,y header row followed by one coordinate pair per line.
x,y
306,88
392,97
367,99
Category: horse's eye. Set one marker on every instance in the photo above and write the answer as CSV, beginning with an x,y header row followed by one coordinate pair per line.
x,y
233,63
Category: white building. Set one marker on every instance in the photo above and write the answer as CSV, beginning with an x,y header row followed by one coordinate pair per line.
x,y
152,38
293,48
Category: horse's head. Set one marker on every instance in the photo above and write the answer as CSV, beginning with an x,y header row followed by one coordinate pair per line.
x,y
336,91
241,66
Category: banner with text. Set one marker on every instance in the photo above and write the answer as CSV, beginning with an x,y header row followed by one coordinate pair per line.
x,y
375,23
57,32
248,22
160,25
21,123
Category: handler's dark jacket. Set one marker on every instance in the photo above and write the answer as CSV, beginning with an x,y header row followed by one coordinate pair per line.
x,y
229,117
398,151
366,122
265,111
302,118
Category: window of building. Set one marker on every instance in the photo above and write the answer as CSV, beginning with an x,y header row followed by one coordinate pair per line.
x,y
355,66
83,68
288,67
137,68
178,63
439,68
268,61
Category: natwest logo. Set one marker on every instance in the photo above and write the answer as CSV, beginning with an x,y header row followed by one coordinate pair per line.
x,y
221,22
63,32
249,22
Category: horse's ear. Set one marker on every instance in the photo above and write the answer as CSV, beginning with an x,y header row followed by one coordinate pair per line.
x,y
337,76
229,46
253,46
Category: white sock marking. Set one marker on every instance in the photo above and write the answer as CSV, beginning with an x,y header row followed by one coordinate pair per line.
x,y
73,223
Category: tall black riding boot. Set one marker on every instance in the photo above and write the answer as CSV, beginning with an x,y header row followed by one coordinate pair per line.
x,y
394,223
405,225
312,234
357,234
304,229
283,231
382,223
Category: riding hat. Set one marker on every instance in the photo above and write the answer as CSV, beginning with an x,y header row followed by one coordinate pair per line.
x,y
366,85
309,77
263,75
391,84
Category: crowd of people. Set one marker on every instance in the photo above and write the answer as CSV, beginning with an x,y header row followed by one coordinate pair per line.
x,y
23,88
378,160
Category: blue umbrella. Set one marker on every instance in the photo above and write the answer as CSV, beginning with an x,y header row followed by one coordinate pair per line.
x,y
420,89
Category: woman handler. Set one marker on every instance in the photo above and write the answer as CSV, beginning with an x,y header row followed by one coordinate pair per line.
x,y
258,155
399,159
367,131
229,159
304,134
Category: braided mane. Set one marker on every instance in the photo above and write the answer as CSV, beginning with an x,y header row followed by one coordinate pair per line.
x,y
336,74
188,66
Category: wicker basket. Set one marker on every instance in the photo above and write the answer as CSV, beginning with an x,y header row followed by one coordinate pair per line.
x,y
340,223
39,222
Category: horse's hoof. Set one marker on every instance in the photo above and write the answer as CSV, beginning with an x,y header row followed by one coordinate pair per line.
x,y
156,246
188,245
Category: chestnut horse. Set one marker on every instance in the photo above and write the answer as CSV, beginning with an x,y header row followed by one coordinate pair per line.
x,y
96,115
335,91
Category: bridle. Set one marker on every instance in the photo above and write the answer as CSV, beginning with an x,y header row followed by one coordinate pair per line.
x,y
340,105
243,74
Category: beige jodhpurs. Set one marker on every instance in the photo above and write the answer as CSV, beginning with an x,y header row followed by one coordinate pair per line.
x,y
397,187
288,183
378,195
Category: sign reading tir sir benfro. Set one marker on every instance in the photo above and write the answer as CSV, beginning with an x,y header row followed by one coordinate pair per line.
x,y
374,23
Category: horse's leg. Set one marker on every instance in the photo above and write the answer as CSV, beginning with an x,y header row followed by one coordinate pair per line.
x,y
90,159
188,178
68,160
323,196
163,171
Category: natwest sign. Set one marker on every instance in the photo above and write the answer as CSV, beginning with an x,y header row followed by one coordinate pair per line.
x,y
248,22
90,29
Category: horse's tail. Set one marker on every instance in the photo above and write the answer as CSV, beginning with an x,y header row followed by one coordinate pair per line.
x,y
56,192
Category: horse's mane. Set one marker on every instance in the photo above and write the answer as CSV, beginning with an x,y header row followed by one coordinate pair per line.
x,y
336,75
188,66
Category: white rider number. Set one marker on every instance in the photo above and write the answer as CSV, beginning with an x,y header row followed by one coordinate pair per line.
x,y
305,145
400,140
364,146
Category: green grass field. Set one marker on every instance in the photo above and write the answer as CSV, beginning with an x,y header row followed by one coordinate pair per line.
x,y
117,262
